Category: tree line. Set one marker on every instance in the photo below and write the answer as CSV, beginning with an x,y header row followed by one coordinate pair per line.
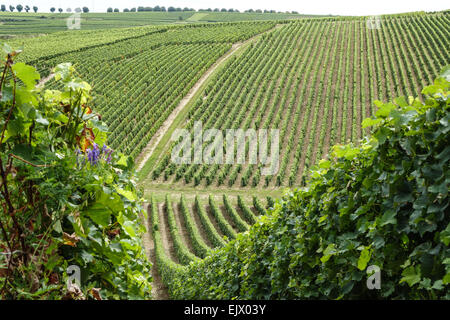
x,y
173,9
27,8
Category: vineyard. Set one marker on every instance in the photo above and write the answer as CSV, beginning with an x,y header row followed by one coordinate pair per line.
x,y
187,230
87,156
315,81
15,23
165,62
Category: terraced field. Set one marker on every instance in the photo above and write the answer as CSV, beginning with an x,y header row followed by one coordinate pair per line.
x,y
313,79
184,230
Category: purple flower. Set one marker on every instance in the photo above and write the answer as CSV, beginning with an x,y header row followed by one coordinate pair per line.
x,y
96,154
108,160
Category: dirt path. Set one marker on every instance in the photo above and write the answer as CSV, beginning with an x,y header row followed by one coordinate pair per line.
x,y
43,81
159,290
164,231
147,152
181,225
154,141
198,223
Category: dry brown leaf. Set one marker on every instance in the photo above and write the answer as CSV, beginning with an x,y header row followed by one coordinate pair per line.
x,y
96,293
70,239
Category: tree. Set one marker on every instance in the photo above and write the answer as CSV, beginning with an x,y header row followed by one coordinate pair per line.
x,y
157,8
27,8
69,10
52,9
85,9
140,9
35,9
163,9
171,9
116,10
11,8
150,9
109,9
78,10
230,10
223,10
19,7
60,10
126,10
133,10
3,8
258,11
178,9
186,9
216,10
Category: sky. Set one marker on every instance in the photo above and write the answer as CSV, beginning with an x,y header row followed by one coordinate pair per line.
x,y
336,7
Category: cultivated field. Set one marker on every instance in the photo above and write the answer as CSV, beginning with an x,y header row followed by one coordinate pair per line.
x,y
15,23
315,79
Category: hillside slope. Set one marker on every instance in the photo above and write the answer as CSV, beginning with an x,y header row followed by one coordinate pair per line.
x,y
384,203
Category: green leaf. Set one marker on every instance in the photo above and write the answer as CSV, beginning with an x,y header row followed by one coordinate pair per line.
x,y
388,217
26,73
123,161
411,275
99,214
328,252
446,279
368,122
385,110
129,229
324,164
127,194
438,285
401,101
364,258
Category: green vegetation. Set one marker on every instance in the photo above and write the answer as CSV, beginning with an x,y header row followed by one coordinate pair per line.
x,y
66,198
382,203
248,16
18,24
200,247
312,79
183,254
166,64
379,197
14,23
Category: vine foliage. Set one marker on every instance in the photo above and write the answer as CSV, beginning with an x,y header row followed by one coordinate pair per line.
x,y
383,203
66,198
